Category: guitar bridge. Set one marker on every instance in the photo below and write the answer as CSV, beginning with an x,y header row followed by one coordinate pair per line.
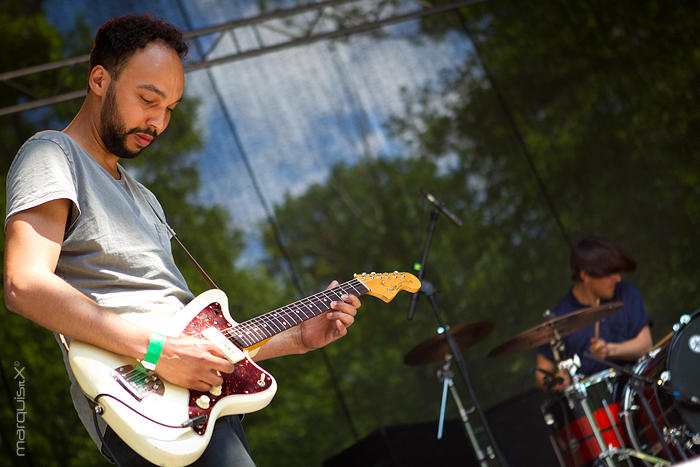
x,y
138,381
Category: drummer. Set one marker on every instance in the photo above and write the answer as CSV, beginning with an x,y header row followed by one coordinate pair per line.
x,y
622,337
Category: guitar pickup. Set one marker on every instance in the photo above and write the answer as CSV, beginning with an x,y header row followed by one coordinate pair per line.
x,y
228,348
138,381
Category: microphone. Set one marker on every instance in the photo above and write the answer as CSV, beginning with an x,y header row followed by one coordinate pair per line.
x,y
550,379
427,288
441,206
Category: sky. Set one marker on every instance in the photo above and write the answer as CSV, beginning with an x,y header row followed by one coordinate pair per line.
x,y
292,114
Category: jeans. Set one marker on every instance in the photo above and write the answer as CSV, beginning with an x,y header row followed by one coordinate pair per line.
x,y
228,447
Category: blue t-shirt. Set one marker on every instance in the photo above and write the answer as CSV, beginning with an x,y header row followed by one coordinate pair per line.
x,y
621,326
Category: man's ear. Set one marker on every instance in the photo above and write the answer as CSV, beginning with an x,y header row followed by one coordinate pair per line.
x,y
98,80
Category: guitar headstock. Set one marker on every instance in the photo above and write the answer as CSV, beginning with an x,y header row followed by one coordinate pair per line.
x,y
385,285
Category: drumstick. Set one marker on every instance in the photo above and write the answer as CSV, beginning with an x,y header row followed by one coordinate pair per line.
x,y
597,323
663,341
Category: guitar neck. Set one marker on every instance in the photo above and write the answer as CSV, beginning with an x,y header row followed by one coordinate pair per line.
x,y
255,330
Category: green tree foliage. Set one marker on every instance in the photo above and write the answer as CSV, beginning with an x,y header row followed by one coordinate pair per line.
x,y
605,98
48,421
597,100
54,435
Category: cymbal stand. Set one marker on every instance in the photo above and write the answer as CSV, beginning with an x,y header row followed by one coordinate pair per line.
x,y
428,290
445,374
583,402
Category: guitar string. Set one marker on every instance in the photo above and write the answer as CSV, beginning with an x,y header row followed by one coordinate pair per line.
x,y
290,312
138,376
258,329
280,318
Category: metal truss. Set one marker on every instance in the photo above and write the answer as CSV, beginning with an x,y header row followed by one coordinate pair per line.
x,y
271,31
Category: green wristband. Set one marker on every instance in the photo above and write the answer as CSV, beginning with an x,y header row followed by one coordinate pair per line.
x,y
155,347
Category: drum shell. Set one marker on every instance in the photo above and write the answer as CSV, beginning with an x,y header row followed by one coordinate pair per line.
x,y
684,369
677,368
572,432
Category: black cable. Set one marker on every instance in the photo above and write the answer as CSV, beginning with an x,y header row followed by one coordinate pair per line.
x,y
186,424
104,445
516,132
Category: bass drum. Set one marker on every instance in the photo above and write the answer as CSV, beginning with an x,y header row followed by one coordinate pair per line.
x,y
677,366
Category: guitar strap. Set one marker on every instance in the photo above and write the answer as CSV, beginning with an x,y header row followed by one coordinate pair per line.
x,y
189,255
201,270
187,252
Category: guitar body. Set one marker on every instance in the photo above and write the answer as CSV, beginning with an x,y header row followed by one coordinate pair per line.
x,y
138,405
247,389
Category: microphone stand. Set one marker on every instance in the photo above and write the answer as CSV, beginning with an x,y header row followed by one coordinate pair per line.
x,y
428,290
431,228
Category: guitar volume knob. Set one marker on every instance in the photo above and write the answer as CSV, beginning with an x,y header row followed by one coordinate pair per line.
x,y
203,401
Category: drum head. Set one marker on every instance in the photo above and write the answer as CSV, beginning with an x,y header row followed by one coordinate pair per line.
x,y
683,363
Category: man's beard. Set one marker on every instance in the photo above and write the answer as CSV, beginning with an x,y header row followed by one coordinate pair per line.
x,y
113,131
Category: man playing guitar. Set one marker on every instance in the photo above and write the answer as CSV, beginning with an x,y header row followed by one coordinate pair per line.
x,y
87,252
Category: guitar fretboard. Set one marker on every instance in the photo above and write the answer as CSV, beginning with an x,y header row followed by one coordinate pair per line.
x,y
249,333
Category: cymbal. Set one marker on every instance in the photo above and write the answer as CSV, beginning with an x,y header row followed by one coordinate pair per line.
x,y
435,348
543,333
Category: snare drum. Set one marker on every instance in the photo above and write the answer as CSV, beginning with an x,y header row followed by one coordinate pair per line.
x,y
573,433
677,366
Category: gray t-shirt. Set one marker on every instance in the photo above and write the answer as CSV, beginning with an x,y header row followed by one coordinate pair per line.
x,y
115,249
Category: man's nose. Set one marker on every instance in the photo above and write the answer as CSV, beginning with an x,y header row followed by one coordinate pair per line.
x,y
158,121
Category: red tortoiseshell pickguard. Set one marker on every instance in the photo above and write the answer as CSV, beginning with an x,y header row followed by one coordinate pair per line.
x,y
246,378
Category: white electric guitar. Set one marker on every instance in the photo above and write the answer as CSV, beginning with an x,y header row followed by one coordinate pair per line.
x,y
170,425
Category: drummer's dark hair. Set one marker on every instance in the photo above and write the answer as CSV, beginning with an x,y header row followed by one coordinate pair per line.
x,y
598,257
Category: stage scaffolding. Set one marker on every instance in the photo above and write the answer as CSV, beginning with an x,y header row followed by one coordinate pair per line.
x,y
301,25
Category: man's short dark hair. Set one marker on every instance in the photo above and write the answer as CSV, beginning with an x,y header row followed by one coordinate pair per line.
x,y
118,39
598,257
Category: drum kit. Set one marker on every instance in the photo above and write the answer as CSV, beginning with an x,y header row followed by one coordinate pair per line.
x,y
648,415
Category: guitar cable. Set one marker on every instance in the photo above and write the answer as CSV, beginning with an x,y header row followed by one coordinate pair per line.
x,y
103,445
199,419
192,421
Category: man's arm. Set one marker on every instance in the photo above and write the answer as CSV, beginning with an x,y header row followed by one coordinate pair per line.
x,y
32,247
314,333
628,350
